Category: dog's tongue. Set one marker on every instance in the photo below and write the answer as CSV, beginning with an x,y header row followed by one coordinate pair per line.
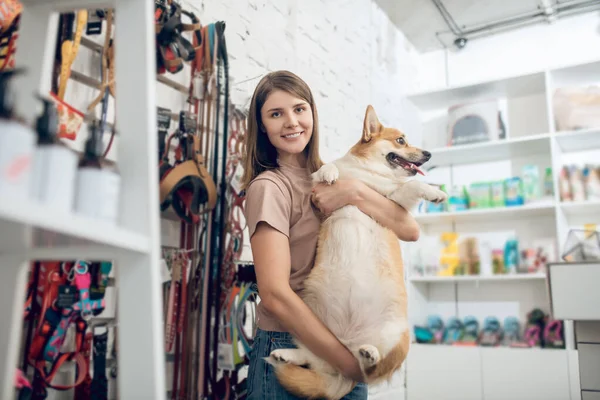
x,y
413,166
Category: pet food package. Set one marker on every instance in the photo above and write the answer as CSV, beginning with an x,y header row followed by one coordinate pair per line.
x,y
497,192
531,182
576,108
475,122
513,191
480,195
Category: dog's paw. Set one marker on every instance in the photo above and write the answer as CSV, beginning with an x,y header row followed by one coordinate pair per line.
x,y
369,355
281,356
328,173
436,196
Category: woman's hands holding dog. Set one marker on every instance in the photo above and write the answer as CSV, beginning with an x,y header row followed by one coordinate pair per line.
x,y
328,198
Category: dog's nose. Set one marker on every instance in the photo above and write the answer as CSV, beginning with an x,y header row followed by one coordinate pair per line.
x,y
427,154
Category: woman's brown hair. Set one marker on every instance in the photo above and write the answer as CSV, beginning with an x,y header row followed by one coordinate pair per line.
x,y
261,155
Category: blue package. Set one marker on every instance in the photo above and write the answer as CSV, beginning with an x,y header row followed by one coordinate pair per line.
x,y
513,192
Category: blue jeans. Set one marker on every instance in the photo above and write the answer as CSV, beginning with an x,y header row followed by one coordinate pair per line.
x,y
262,382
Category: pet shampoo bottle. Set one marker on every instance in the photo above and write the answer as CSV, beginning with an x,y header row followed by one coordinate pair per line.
x,y
17,142
54,165
98,186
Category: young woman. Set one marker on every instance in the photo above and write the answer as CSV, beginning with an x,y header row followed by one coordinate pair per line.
x,y
282,150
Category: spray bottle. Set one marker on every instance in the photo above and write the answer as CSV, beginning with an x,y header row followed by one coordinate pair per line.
x,y
54,165
97,190
17,142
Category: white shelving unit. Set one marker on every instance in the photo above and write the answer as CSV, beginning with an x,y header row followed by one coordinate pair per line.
x,y
30,231
526,102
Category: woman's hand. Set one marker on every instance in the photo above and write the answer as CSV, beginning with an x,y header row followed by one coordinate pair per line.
x,y
328,198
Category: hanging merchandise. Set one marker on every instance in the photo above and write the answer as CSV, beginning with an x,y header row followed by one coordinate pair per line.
x,y
173,49
70,119
186,184
58,298
17,142
10,15
54,164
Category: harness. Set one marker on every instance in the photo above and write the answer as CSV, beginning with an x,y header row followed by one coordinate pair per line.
x,y
58,297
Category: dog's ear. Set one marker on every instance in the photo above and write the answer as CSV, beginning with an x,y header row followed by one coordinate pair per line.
x,y
371,124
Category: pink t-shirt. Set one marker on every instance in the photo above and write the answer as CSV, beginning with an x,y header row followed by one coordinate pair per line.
x,y
281,198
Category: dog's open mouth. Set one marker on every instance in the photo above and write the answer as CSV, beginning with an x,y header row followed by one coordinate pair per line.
x,y
396,160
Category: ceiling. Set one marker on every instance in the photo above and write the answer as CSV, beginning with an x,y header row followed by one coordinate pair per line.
x,y
422,22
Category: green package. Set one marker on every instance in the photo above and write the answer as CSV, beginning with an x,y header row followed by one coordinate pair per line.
x,y
480,195
497,190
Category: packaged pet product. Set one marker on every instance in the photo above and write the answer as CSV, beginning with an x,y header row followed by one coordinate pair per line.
x,y
513,189
592,183
498,262
480,195
511,256
470,331
459,199
548,183
531,182
491,332
564,185
577,185
497,192
576,107
454,331
469,257
475,122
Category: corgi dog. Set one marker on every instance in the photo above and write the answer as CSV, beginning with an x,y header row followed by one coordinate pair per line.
x,y
357,284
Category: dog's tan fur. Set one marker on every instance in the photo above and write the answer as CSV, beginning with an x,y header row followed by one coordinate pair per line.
x,y
357,284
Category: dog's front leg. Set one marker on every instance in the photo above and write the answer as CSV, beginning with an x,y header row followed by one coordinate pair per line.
x,y
411,193
328,173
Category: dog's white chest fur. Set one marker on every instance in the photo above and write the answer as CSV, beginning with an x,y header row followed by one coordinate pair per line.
x,y
358,295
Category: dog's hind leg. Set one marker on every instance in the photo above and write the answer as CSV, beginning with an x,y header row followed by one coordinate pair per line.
x,y
288,356
368,356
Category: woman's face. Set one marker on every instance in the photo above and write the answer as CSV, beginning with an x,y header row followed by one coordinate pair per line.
x,y
288,122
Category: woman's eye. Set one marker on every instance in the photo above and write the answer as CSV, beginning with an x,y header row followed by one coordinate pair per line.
x,y
300,109
275,114
401,141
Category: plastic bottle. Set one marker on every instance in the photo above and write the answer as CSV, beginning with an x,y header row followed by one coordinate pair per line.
x,y
54,164
97,190
548,183
17,141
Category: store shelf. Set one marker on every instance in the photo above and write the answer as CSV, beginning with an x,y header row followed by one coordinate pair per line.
x,y
56,229
507,87
582,209
69,4
478,278
491,151
488,214
578,140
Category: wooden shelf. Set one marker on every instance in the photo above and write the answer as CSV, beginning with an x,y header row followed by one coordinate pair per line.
x,y
477,278
488,214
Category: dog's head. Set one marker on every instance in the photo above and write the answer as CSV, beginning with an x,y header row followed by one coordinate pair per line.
x,y
386,150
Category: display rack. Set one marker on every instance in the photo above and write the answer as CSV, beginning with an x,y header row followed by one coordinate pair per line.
x,y
532,138
30,231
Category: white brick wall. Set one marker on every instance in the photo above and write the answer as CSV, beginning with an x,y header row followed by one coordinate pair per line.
x,y
347,51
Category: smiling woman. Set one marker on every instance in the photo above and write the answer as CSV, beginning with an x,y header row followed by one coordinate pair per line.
x,y
282,151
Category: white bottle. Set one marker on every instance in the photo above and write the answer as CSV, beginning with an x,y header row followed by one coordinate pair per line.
x,y
54,164
97,189
17,141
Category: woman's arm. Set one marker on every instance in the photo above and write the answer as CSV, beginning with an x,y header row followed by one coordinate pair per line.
x,y
271,253
386,212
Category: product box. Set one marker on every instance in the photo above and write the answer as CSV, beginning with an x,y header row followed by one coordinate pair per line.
x,y
475,122
513,191
497,193
531,183
480,195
